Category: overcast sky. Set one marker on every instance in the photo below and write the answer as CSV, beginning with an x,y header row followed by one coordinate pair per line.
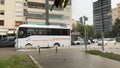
x,y
85,7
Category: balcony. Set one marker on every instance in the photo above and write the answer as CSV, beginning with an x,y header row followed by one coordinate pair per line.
x,y
36,5
38,1
35,16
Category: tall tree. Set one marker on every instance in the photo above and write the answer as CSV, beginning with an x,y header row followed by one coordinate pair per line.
x,y
89,29
117,27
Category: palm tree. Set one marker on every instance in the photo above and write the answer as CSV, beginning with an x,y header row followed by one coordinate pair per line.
x,y
59,4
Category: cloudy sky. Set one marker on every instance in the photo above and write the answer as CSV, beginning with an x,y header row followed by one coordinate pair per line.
x,y
85,7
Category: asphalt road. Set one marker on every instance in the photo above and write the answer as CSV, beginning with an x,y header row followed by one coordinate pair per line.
x,y
68,57
71,57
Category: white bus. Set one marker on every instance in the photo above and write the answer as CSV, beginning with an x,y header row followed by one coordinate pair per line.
x,y
32,36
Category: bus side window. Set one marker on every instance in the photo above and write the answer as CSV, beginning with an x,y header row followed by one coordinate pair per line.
x,y
20,34
30,32
40,32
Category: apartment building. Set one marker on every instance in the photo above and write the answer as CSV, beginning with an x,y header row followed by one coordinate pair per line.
x,y
16,12
118,10
116,13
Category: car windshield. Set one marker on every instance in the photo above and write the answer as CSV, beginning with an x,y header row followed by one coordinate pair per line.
x,y
111,39
8,38
105,39
3,40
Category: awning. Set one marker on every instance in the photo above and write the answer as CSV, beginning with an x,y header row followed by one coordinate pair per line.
x,y
3,31
11,31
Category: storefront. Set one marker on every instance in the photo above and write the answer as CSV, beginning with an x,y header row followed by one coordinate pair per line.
x,y
3,33
6,32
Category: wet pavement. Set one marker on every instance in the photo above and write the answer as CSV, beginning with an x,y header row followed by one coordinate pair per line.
x,y
72,58
66,57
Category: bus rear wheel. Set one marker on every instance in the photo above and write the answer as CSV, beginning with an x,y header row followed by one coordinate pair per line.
x,y
56,45
28,45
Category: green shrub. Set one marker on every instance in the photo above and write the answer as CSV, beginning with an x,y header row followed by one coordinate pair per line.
x,y
106,55
118,39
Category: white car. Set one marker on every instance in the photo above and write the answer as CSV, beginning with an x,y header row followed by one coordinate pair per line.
x,y
107,41
80,42
112,41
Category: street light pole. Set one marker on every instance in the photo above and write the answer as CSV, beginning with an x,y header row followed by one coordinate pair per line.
x,y
47,12
82,20
85,37
102,31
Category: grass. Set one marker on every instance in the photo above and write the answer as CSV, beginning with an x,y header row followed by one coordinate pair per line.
x,y
17,61
106,55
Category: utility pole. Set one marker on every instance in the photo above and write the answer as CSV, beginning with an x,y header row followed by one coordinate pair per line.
x,y
47,12
102,32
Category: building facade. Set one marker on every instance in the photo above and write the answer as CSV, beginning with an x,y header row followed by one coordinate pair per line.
x,y
116,13
118,10
16,12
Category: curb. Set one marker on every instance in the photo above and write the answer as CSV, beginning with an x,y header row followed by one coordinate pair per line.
x,y
35,62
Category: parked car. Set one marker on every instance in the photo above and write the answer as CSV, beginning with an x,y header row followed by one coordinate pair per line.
x,y
95,40
112,41
7,42
80,42
100,42
72,43
107,41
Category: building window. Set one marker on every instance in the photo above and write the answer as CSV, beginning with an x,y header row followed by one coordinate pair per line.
x,y
36,23
66,17
1,22
36,5
67,9
56,16
57,23
19,13
19,4
36,15
2,2
1,12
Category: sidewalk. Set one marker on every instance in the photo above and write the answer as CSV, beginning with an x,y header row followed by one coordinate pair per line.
x,y
5,52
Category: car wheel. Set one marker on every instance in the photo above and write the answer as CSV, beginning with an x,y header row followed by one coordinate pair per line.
x,y
78,43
